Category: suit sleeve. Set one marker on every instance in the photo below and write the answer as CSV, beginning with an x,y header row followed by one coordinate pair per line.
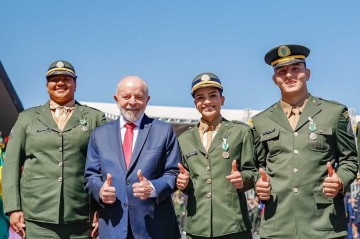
x,y
93,177
166,184
247,163
346,151
14,159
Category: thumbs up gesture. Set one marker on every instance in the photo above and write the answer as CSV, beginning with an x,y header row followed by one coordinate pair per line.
x,y
143,188
183,177
235,176
107,192
332,184
262,186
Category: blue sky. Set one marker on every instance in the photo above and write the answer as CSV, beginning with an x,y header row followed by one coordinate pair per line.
x,y
169,42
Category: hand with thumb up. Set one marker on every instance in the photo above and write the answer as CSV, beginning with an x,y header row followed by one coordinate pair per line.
x,y
107,192
332,184
143,188
235,177
262,186
183,177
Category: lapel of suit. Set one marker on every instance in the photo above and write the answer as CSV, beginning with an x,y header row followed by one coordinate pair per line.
x,y
276,113
115,138
223,133
311,109
193,136
44,115
78,114
144,129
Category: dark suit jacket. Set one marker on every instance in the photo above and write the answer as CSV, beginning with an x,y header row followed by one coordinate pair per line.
x,y
156,153
50,187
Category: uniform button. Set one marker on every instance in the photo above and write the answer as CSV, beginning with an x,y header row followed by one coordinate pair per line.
x,y
296,151
208,195
60,179
125,205
295,190
127,182
207,168
208,181
295,170
60,164
296,133
60,149
60,134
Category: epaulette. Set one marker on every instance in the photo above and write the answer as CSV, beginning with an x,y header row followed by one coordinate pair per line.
x,y
330,101
269,108
90,107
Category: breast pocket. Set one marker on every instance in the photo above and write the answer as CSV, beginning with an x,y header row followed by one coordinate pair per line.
x,y
272,141
320,139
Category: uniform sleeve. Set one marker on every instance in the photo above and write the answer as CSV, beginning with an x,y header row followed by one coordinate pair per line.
x,y
260,151
93,176
247,165
189,189
14,159
346,151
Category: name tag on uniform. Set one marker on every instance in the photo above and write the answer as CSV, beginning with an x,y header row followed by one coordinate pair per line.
x,y
191,154
42,130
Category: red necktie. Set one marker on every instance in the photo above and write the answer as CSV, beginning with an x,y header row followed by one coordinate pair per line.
x,y
128,142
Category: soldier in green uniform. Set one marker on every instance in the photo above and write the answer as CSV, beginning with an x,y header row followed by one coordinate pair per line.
x,y
305,149
45,160
218,167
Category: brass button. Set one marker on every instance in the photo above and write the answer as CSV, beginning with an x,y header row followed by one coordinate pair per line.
x,y
60,164
296,151
207,168
208,195
60,149
295,190
295,170
208,181
60,179
127,182
296,133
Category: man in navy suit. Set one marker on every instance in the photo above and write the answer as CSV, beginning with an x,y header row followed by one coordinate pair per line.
x,y
133,188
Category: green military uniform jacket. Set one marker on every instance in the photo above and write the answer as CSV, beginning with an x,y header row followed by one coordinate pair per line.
x,y
44,166
295,161
215,207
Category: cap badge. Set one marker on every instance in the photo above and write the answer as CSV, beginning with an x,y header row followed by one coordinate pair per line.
x,y
60,64
284,51
205,77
